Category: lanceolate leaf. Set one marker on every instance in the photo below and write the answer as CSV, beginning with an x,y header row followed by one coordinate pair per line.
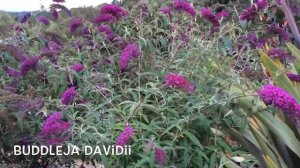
x,y
281,131
193,138
267,147
295,51
247,144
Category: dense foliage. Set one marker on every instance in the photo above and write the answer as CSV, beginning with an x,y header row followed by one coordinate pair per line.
x,y
181,82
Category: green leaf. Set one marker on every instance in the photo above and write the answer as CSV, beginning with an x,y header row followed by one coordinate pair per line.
x,y
213,159
203,155
143,161
280,130
246,142
266,147
104,160
176,124
224,145
295,51
243,24
193,138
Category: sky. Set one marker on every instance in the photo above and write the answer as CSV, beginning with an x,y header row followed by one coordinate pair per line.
x,y
32,5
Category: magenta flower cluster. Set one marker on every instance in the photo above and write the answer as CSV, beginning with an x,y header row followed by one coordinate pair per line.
x,y
279,53
104,18
166,10
54,129
75,23
294,77
214,19
281,99
28,64
77,67
110,35
179,81
262,4
125,136
253,41
110,13
51,51
54,14
160,156
68,96
53,46
44,20
276,29
86,32
251,12
12,72
250,38
130,52
114,10
25,17
184,5
180,6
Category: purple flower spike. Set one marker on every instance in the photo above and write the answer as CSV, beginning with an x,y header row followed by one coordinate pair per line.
x,y
179,81
166,10
222,14
279,53
249,14
53,46
110,13
85,32
208,14
110,35
130,52
77,67
54,14
294,77
105,18
11,72
276,29
54,129
160,156
113,10
125,136
262,4
25,17
28,64
75,23
44,20
281,99
68,96
183,5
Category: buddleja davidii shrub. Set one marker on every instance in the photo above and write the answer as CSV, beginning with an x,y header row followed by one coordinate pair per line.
x,y
148,111
126,86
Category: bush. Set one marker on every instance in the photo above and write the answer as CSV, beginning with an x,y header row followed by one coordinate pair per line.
x,y
158,79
